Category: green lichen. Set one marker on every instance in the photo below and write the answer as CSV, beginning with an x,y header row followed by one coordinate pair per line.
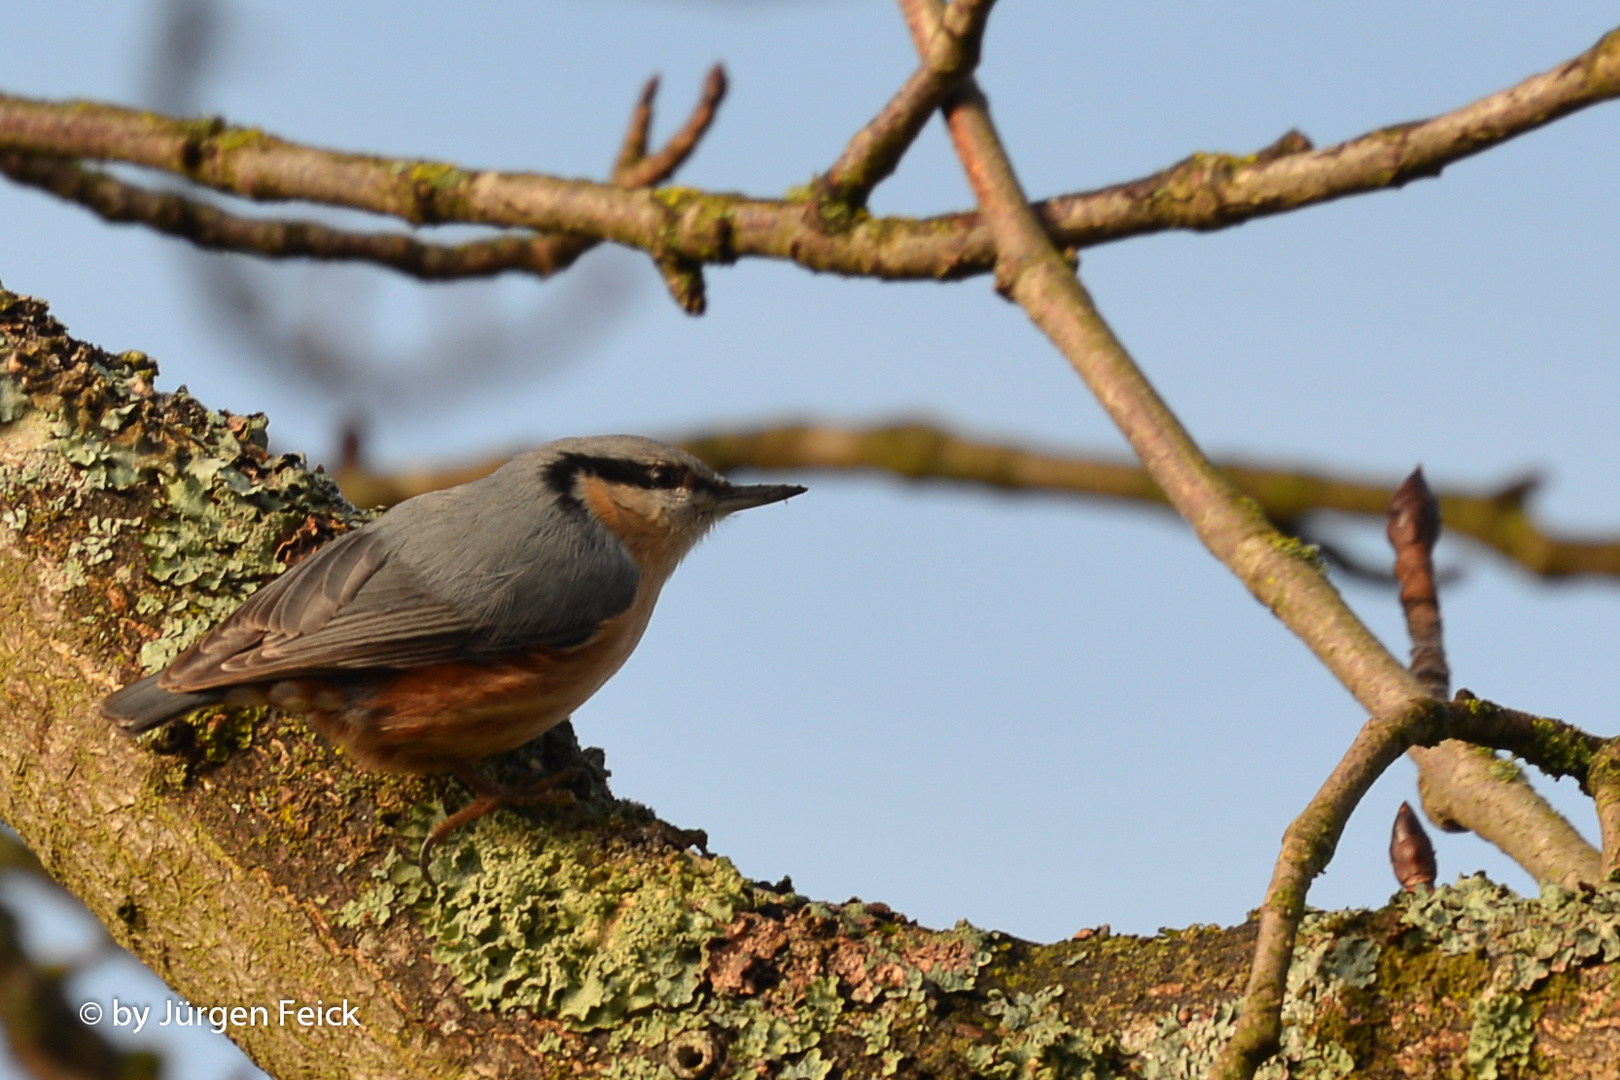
x,y
1523,941
1169,1048
557,924
1036,1041
1505,770
1558,750
113,469
1503,1031
219,732
1295,548
13,402
432,174
237,137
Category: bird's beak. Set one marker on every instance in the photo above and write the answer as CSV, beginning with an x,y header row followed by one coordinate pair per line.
x,y
743,496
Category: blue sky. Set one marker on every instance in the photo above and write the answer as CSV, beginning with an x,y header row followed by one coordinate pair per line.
x,y
1035,714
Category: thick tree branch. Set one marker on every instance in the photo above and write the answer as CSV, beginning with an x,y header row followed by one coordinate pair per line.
x,y
1207,191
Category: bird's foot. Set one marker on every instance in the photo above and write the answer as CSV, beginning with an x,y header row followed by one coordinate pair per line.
x,y
489,796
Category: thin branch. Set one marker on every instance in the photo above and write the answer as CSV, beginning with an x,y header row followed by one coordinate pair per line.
x,y
1496,518
633,148
211,228
1204,192
1557,748
1414,527
1307,848
660,166
875,151
1031,272
1603,779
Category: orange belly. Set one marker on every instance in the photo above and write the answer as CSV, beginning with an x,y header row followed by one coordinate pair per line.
x,y
428,719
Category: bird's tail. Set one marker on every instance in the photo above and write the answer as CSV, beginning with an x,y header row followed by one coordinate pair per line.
x,y
145,704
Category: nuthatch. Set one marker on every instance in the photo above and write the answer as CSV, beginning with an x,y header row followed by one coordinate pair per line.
x,y
464,622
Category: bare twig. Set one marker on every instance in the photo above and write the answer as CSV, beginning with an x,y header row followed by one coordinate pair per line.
x,y
1030,271
1414,527
1496,518
876,150
1306,850
1205,192
1411,855
633,148
653,169
211,228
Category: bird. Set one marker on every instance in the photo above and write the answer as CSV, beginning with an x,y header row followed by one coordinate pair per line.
x,y
464,622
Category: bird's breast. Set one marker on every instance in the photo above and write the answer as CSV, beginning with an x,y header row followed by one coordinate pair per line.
x,y
424,719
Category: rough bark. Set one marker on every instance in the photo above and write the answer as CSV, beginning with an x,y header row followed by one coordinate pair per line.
x,y
247,863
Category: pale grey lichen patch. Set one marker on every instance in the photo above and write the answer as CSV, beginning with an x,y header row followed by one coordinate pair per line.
x,y
1038,1042
1166,1047
1524,941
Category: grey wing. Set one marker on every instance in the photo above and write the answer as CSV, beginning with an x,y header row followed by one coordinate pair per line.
x,y
363,602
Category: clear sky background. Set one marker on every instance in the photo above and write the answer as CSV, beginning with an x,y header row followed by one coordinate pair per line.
x,y
1036,714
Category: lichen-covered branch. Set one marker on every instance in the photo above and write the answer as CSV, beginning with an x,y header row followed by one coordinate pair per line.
x,y
1557,748
248,864
1204,192
214,229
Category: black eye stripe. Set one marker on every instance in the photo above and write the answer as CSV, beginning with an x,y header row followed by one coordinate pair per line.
x,y
660,475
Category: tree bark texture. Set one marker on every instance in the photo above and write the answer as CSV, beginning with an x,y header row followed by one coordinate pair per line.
x,y
249,864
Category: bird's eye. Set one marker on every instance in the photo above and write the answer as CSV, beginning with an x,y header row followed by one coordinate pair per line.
x,y
664,476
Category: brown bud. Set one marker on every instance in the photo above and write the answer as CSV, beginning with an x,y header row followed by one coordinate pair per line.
x,y
1414,514
1410,852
